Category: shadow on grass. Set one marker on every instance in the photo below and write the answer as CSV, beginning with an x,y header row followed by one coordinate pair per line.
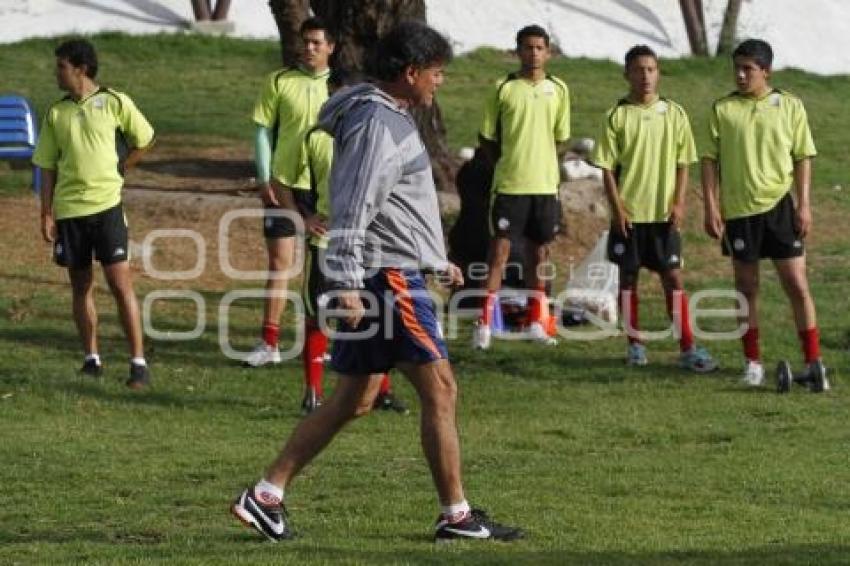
x,y
151,396
243,546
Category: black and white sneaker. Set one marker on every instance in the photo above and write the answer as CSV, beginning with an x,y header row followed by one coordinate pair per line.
x,y
784,377
389,402
270,521
311,401
91,368
140,376
476,525
814,377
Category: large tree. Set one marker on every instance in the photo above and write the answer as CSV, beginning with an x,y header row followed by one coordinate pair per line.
x,y
288,15
210,9
357,25
728,32
694,17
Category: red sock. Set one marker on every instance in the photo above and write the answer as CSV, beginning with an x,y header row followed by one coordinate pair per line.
x,y
629,310
686,335
487,309
315,346
810,341
536,305
385,385
750,339
270,334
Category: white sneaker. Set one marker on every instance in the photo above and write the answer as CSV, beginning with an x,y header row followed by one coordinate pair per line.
x,y
536,333
263,354
481,336
753,374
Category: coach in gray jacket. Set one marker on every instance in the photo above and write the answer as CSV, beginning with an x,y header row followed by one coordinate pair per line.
x,y
385,235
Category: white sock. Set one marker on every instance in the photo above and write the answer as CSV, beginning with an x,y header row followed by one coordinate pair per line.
x,y
94,357
455,511
138,361
268,493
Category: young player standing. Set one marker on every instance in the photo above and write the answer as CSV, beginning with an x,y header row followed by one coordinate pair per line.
x,y
303,177
526,120
761,147
644,152
287,107
80,150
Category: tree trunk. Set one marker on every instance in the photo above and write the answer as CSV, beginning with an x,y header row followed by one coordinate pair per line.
x,y
221,9
692,13
288,15
357,25
730,28
201,8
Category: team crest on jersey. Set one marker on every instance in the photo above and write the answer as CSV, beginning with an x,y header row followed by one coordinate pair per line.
x,y
775,99
99,103
548,89
661,107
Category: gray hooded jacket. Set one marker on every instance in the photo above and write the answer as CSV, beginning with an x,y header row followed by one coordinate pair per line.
x,y
384,209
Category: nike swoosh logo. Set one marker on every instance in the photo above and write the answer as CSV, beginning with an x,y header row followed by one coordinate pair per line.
x,y
482,532
276,526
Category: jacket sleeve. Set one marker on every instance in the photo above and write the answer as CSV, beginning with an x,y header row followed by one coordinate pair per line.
x,y
367,166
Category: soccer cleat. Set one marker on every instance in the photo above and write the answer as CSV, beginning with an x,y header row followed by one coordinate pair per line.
x,y
139,377
268,520
814,377
475,525
91,368
262,355
753,374
784,377
481,336
538,334
389,402
311,402
636,354
697,360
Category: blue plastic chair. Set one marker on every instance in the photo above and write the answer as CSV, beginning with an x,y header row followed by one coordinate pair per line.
x,y
18,132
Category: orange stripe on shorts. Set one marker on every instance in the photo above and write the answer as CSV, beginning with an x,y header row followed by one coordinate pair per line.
x,y
408,313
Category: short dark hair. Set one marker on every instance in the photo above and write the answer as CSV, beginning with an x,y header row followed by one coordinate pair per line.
x,y
316,24
79,52
639,51
531,31
409,43
756,49
343,76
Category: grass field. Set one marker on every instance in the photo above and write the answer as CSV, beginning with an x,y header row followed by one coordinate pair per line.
x,y
600,463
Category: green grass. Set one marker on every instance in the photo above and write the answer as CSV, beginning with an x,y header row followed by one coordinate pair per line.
x,y
600,463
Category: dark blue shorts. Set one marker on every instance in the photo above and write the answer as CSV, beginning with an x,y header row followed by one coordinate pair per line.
x,y
402,327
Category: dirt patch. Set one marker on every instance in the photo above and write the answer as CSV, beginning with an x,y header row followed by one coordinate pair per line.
x,y
186,185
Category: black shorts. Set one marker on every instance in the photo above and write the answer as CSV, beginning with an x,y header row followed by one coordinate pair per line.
x,y
102,236
313,282
275,226
654,245
536,217
771,234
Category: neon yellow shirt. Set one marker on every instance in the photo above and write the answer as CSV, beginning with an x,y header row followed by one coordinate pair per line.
x,y
644,145
309,169
289,104
527,120
756,142
80,141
